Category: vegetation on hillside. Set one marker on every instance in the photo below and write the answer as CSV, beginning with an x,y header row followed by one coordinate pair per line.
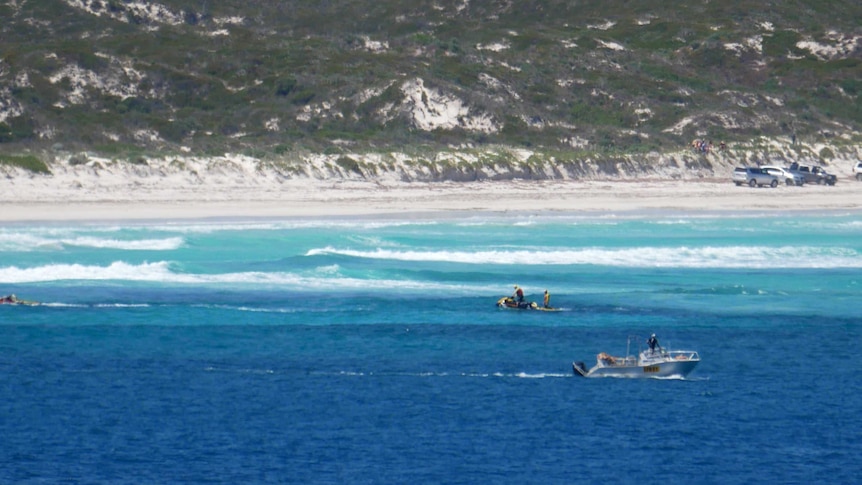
x,y
27,162
269,78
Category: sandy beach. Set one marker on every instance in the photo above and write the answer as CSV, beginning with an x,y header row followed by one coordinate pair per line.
x,y
50,199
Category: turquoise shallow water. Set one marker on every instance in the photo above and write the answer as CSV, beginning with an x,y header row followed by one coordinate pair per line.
x,y
370,350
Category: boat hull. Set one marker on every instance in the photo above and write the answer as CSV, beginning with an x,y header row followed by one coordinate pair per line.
x,y
511,304
648,364
656,370
6,300
22,303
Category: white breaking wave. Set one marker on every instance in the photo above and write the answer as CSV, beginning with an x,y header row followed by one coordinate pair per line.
x,y
167,244
32,242
115,271
280,225
643,257
16,241
160,272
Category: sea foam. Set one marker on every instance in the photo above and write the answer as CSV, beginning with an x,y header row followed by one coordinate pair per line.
x,y
26,242
326,278
648,257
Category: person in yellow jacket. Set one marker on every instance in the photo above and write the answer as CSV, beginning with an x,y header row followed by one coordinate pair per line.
x,y
547,301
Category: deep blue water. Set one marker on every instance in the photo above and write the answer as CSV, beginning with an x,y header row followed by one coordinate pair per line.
x,y
370,351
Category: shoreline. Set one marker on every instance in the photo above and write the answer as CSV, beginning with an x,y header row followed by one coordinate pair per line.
x,y
302,199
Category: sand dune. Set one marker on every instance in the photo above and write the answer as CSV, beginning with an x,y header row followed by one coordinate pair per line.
x,y
238,186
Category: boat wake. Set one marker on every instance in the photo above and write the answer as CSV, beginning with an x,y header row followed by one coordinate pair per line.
x,y
385,374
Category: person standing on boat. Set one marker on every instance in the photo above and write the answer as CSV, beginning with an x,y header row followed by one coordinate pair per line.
x,y
653,343
547,301
519,294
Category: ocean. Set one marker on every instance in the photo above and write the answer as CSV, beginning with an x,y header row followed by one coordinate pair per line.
x,y
370,350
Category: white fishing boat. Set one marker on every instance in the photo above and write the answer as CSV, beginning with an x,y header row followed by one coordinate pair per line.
x,y
655,362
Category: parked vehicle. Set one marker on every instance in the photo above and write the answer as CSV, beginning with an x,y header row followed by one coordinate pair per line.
x,y
814,174
857,169
754,177
790,178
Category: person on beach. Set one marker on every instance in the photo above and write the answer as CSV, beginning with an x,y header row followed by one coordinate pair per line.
x,y
518,295
547,301
653,343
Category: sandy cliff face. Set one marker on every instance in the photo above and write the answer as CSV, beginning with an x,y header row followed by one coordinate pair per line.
x,y
456,165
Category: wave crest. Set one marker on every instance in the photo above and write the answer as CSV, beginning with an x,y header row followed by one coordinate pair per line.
x,y
648,257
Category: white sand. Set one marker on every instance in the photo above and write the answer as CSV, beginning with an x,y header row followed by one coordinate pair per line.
x,y
59,198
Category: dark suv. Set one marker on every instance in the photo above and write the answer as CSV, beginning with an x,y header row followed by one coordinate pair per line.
x,y
813,174
754,177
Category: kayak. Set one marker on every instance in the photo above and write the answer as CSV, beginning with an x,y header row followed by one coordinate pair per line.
x,y
510,303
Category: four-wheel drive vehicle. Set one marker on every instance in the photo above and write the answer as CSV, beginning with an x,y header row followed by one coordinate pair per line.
x,y
790,178
754,177
857,169
813,174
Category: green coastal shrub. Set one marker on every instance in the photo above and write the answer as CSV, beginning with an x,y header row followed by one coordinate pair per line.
x,y
349,165
556,69
27,162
